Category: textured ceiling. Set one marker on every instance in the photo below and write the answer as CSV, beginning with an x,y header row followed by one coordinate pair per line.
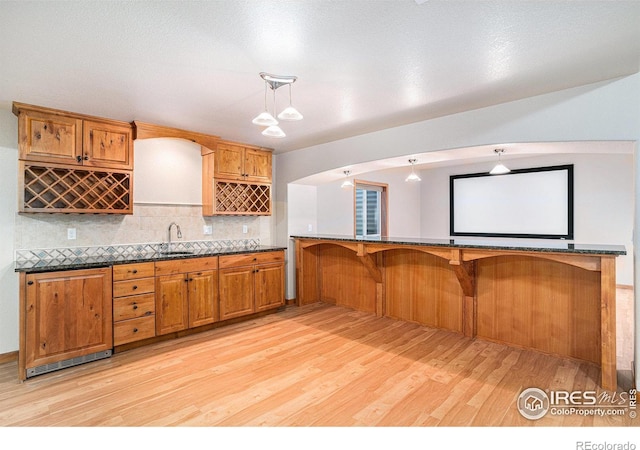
x,y
361,65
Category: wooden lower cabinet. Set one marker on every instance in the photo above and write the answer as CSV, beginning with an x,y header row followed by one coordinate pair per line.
x,y
66,315
186,297
133,302
251,283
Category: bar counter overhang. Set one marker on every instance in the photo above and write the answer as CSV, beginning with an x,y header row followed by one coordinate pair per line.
x,y
555,297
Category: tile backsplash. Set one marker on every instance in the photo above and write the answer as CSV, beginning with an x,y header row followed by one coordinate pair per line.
x,y
148,224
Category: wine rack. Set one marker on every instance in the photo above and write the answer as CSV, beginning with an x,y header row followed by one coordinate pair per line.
x,y
233,198
62,189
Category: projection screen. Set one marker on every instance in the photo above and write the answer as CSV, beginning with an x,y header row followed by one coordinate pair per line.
x,y
527,203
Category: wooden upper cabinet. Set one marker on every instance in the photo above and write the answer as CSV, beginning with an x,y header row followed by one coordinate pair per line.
x,y
257,165
242,163
52,136
49,138
107,145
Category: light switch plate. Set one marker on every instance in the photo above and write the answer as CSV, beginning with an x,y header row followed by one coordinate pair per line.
x,y
71,233
245,229
207,229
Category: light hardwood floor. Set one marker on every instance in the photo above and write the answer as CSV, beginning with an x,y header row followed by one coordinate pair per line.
x,y
317,365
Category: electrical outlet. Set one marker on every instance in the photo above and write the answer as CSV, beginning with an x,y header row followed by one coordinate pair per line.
x,y
245,229
310,227
71,233
207,229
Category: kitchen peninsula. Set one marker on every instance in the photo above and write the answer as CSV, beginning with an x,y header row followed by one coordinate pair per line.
x,y
555,297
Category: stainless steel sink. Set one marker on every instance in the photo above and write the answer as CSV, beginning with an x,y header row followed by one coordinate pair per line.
x,y
176,253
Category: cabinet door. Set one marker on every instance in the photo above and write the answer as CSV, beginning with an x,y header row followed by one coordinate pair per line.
x,y
68,314
236,292
107,145
172,304
257,165
203,298
49,137
229,162
269,286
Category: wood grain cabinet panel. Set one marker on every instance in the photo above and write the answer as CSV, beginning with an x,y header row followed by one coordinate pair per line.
x,y
242,163
251,283
134,305
186,294
236,292
107,145
172,304
67,315
49,138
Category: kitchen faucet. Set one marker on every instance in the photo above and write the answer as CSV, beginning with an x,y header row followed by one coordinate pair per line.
x,y
178,235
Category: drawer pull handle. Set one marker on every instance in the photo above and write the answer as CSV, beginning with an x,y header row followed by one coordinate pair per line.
x,y
135,330
30,283
135,306
135,271
135,287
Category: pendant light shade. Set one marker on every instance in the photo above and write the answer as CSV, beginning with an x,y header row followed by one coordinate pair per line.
x,y
499,169
265,119
290,113
274,131
347,183
413,176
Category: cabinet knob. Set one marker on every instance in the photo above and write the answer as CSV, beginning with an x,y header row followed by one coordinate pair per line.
x,y
30,283
86,157
79,158
135,287
135,330
134,271
135,306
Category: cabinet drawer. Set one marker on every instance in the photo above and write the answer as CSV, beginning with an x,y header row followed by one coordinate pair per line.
x,y
134,306
175,266
133,287
248,259
134,330
133,271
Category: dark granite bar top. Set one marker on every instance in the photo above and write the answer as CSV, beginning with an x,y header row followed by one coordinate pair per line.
x,y
89,262
532,245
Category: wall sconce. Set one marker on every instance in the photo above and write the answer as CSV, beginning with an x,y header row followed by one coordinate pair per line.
x,y
265,119
347,183
413,176
500,168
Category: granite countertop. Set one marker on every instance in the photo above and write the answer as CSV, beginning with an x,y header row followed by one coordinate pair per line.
x,y
544,245
88,262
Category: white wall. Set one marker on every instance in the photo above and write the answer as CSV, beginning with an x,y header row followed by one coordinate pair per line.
x,y
167,171
603,199
335,204
8,206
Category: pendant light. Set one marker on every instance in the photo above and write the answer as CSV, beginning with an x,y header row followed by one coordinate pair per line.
x,y
268,120
347,183
499,169
274,130
290,113
264,118
413,176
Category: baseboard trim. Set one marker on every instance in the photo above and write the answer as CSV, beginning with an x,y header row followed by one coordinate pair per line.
x,y
290,302
8,357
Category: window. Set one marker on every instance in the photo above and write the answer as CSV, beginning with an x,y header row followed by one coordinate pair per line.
x,y
370,209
